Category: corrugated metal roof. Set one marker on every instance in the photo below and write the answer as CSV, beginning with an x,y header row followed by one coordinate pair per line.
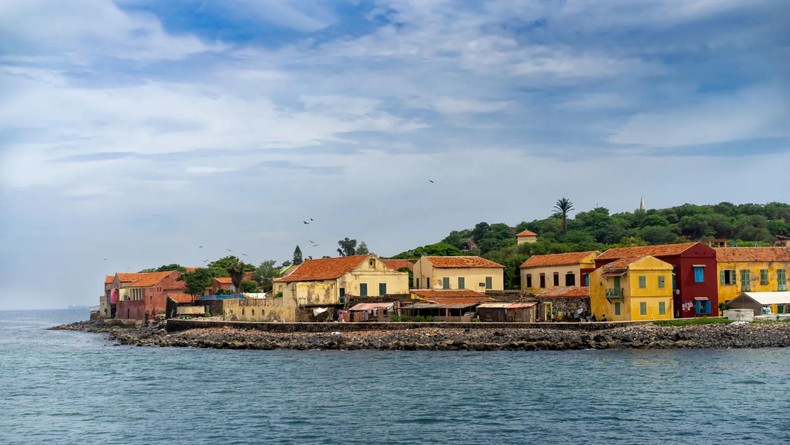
x,y
767,298
372,306
439,306
507,305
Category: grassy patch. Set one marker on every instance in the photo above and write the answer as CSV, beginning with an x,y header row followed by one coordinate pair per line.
x,y
693,321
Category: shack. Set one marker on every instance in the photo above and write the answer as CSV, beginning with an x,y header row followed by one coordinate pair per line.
x,y
563,303
457,305
762,302
507,312
373,311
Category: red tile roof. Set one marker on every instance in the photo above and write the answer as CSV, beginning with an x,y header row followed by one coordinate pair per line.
x,y
462,262
556,259
527,233
451,296
129,277
751,254
640,251
324,269
150,279
108,279
565,292
397,264
223,280
182,298
620,264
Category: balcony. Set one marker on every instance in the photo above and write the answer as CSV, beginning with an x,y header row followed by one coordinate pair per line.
x,y
615,292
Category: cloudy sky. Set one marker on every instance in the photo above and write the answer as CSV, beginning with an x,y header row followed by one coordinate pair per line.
x,y
134,131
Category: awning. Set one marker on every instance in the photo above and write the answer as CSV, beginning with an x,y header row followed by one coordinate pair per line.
x,y
701,298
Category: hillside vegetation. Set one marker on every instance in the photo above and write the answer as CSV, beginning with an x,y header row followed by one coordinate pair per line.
x,y
743,224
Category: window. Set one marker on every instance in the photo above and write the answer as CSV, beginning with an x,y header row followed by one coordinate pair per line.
x,y
661,282
445,282
242,311
617,308
586,279
728,277
489,282
642,281
780,309
363,289
556,278
416,283
570,279
461,283
382,288
543,281
529,280
746,284
702,306
662,308
781,279
342,292
699,274
372,263
643,308
763,276
428,282
253,312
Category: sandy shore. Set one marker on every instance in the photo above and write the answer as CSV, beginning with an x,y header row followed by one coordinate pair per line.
x,y
753,335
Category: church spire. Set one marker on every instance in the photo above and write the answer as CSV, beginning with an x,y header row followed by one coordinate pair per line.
x,y
642,203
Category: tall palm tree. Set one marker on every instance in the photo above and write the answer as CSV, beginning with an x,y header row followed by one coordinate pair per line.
x,y
562,207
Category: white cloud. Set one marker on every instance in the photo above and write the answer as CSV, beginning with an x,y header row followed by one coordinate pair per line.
x,y
752,114
451,105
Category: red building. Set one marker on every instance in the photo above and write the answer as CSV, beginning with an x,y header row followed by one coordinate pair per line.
x,y
146,296
694,282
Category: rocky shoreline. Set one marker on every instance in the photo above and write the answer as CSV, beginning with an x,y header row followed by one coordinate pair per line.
x,y
644,336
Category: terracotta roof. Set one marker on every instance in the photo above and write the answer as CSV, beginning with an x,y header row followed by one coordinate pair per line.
x,y
150,279
324,269
223,280
746,254
451,296
397,264
108,279
640,251
527,233
565,292
181,298
129,277
499,305
247,276
461,262
620,264
190,268
556,259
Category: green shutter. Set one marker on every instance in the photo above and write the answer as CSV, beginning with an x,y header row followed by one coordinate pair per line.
x,y
722,277
734,276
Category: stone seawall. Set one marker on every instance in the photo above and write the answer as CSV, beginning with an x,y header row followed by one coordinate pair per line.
x,y
177,325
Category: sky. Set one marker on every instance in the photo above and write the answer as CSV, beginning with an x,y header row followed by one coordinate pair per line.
x,y
132,132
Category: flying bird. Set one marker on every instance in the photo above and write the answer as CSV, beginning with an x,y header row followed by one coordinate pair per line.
x,y
200,247
229,250
311,219
305,222
205,261
311,242
105,259
244,254
431,181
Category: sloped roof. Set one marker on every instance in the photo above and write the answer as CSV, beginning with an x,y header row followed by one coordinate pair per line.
x,y
150,279
181,298
507,305
462,262
747,254
223,280
397,264
451,296
324,269
526,233
640,251
372,306
620,264
565,292
129,277
556,259
108,279
766,298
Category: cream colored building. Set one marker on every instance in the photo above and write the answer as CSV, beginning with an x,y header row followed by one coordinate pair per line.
x,y
541,272
458,272
526,236
329,281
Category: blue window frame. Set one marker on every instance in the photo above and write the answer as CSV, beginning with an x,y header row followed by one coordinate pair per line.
x,y
702,307
699,274
382,288
660,282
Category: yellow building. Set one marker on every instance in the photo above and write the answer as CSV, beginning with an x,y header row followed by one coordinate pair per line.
x,y
328,282
751,269
458,272
632,289
541,272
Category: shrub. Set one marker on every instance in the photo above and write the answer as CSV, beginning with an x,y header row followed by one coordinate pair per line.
x,y
692,321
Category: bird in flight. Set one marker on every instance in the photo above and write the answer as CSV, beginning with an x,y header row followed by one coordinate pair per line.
x,y
244,254
205,261
105,259
200,247
311,219
431,181
228,250
305,222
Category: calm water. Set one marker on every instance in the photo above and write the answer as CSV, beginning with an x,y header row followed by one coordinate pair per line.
x,y
71,387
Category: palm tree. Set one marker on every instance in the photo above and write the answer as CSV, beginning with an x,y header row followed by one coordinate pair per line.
x,y
236,271
563,206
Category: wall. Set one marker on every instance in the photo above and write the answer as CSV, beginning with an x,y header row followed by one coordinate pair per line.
x,y
131,310
563,270
683,301
256,309
649,267
729,291
423,270
561,305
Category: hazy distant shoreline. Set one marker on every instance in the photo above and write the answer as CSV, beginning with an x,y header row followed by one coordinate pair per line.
x,y
715,336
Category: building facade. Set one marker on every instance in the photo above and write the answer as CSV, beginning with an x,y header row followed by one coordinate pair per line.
x,y
458,272
751,269
146,296
632,289
694,280
541,272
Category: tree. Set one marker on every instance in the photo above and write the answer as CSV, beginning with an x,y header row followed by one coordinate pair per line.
x,y
348,247
362,249
249,286
297,255
197,282
563,207
265,274
236,271
166,268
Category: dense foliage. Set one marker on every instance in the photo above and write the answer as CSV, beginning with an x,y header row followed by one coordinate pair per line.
x,y
596,229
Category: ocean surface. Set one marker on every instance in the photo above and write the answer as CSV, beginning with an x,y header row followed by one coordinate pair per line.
x,y
60,387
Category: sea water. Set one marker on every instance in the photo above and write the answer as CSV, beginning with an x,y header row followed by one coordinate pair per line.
x,y
76,388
